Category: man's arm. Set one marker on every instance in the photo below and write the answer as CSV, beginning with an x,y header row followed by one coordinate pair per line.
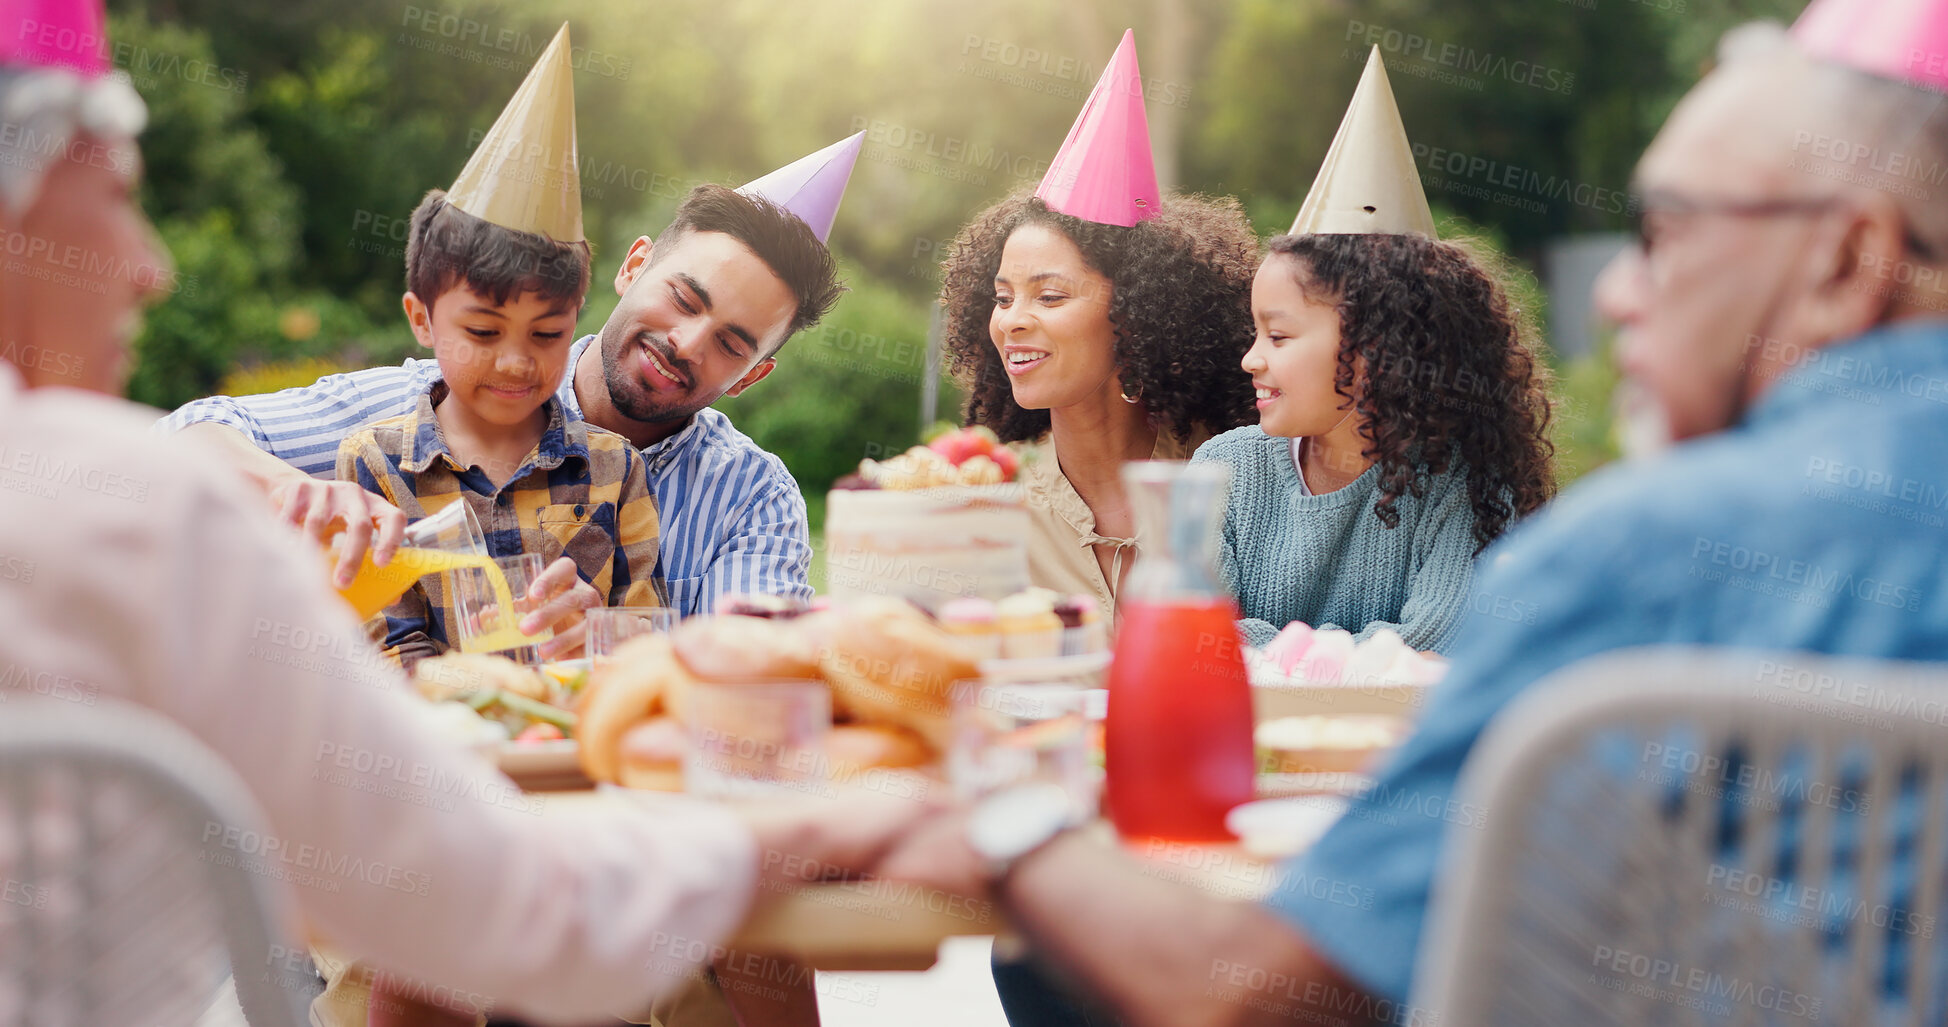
x,y
768,550
286,442
399,844
302,426
1198,961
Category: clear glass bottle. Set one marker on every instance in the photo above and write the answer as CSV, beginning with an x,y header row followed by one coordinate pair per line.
x,y
1178,735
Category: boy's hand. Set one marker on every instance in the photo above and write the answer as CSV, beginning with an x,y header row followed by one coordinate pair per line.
x,y
317,506
563,596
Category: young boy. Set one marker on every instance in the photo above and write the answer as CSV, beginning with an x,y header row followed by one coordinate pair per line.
x,y
496,271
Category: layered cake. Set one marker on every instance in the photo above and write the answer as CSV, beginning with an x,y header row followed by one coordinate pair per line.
x,y
939,522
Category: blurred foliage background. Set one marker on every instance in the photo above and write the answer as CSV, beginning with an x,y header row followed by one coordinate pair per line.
x,y
289,142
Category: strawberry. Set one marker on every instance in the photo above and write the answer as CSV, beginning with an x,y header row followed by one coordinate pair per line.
x,y
956,447
540,732
1009,461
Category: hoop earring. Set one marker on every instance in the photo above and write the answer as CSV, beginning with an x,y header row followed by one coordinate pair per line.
x,y
1133,400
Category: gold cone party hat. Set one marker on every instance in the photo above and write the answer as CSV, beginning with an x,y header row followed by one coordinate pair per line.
x,y
1368,185
524,175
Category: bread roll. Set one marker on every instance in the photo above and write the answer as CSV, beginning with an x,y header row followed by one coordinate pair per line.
x,y
454,675
652,754
852,747
629,687
735,649
889,664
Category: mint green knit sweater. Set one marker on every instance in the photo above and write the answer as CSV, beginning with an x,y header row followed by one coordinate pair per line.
x,y
1328,561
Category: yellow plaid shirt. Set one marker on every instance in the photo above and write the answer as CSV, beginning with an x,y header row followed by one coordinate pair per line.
x,y
582,492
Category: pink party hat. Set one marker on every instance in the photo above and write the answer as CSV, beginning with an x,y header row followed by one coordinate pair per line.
x,y
1905,40
812,186
1105,172
68,34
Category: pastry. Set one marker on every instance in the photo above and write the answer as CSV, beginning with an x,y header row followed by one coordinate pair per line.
x,y
1029,627
652,753
638,681
973,621
889,664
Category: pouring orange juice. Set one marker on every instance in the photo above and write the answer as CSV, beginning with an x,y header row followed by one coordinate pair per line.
x,y
434,543
449,540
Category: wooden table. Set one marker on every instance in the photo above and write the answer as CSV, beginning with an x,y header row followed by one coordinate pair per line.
x,y
889,925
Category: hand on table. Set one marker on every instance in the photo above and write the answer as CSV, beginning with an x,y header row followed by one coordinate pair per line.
x,y
564,598
935,853
317,508
801,842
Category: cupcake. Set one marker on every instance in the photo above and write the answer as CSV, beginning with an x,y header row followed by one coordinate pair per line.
x,y
1029,627
975,623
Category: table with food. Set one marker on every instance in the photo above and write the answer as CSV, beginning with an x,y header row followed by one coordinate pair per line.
x,y
931,669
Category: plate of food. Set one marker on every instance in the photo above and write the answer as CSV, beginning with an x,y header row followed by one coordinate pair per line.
x,y
521,717
890,668
1305,671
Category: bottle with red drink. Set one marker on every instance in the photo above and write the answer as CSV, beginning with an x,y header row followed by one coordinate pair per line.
x,y
1177,741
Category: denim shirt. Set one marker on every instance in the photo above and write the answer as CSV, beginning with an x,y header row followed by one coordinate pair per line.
x,y
1818,523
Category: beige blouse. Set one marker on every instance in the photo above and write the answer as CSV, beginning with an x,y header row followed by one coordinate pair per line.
x,y
1062,536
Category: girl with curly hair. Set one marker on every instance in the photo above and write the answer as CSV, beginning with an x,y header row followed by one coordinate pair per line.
x,y
1402,423
1091,344
1402,413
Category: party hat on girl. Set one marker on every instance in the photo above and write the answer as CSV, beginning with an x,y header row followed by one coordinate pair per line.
x,y
1368,185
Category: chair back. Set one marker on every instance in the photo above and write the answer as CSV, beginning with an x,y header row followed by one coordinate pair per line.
x,y
135,874
1695,836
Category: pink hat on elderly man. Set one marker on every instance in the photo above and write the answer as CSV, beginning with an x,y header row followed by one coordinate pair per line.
x,y
1905,40
1105,171
70,35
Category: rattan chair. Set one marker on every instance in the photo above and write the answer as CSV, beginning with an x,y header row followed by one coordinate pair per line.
x,y
1690,837
128,894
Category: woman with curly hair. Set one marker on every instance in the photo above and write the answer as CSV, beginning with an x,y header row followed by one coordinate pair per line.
x,y
1092,344
1402,412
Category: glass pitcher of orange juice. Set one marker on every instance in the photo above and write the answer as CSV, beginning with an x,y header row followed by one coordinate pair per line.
x,y
448,538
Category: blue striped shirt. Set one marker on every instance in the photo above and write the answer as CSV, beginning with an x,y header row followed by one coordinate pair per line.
x,y
733,518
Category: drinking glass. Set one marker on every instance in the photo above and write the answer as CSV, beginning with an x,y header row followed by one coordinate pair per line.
x,y
757,738
1007,734
610,626
490,599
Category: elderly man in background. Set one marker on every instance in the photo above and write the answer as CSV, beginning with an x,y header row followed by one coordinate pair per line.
x,y
152,574
1781,322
